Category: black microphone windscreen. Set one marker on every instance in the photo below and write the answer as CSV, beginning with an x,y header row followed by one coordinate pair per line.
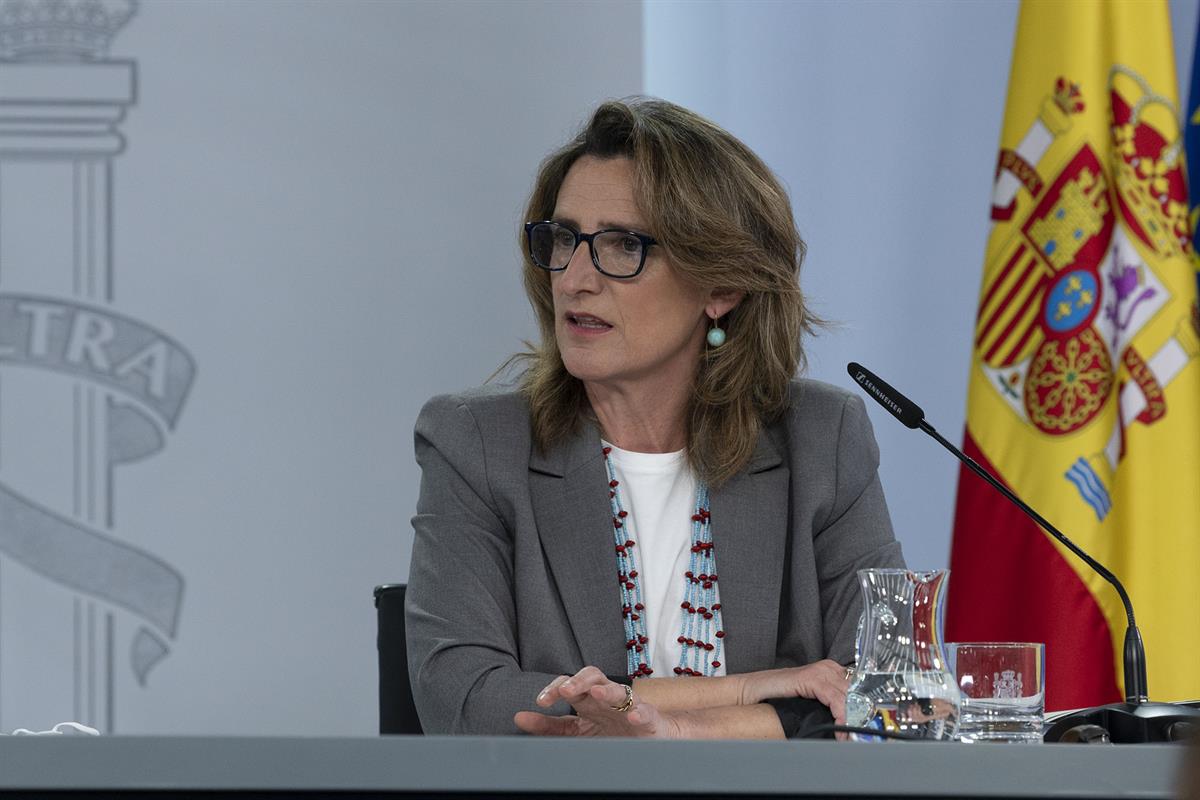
x,y
897,404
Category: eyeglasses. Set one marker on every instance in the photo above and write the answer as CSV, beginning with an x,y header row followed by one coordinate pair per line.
x,y
615,253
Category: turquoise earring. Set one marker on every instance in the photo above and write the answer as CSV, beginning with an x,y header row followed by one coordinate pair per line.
x,y
716,336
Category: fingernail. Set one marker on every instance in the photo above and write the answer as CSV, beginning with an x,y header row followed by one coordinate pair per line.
x,y
542,694
566,685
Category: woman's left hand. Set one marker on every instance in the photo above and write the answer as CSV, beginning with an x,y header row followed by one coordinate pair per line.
x,y
596,700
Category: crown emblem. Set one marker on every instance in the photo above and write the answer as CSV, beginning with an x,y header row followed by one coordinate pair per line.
x,y
1151,185
1007,685
1067,96
1057,107
60,30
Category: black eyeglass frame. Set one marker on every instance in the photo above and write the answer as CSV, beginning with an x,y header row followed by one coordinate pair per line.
x,y
647,242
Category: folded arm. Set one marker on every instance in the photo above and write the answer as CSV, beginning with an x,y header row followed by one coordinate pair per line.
x,y
728,707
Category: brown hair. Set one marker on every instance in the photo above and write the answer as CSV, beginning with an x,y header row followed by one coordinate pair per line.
x,y
725,222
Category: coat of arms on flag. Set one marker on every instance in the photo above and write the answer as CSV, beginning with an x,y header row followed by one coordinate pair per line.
x,y
1082,394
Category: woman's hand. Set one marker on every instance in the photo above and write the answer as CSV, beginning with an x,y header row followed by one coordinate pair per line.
x,y
826,681
596,700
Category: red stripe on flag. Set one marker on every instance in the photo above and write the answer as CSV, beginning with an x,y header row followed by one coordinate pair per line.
x,y
1009,584
995,287
1012,354
1010,330
1028,272
1029,276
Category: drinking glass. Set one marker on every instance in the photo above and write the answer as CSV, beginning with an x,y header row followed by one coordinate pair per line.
x,y
1003,688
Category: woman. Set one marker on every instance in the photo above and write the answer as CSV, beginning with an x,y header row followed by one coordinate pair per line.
x,y
660,497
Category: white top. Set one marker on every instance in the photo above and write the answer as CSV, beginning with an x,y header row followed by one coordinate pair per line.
x,y
659,492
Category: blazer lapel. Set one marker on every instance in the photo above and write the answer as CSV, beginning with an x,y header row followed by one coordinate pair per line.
x,y
749,528
568,489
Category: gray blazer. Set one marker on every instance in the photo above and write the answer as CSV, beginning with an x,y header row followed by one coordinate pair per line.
x,y
512,580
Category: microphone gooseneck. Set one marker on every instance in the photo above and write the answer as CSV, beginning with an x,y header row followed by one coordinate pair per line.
x,y
909,413
1134,655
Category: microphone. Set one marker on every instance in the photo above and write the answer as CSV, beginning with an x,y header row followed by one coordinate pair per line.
x,y
1136,720
900,406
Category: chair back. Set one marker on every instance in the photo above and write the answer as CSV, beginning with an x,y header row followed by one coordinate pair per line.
x,y
397,711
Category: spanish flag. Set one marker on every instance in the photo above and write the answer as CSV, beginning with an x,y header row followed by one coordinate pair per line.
x,y
1084,391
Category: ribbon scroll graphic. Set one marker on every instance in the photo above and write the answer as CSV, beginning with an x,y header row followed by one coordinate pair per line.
x,y
151,375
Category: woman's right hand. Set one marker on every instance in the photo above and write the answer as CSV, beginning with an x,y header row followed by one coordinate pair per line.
x,y
826,681
602,708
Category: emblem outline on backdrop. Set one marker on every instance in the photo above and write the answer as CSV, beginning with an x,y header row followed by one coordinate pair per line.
x,y
129,381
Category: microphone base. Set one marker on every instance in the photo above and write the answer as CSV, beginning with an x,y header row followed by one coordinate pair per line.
x,y
1129,723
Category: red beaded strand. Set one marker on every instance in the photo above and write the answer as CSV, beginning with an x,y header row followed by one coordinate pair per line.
x,y
699,655
636,636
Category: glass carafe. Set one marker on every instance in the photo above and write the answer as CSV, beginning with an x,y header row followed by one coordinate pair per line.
x,y
901,682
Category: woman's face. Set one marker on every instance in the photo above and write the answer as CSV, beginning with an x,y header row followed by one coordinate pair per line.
x,y
647,329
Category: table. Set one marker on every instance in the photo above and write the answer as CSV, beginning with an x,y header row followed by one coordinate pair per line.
x,y
396,766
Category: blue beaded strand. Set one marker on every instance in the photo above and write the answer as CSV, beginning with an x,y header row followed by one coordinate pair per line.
x,y
700,631
637,640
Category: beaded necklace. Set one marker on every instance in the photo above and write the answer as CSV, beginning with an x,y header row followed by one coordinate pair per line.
x,y
700,631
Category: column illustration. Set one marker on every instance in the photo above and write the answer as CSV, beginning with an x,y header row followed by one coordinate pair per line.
x,y
83,388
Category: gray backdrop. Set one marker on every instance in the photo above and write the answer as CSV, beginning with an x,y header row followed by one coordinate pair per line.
x,y
319,201
242,242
